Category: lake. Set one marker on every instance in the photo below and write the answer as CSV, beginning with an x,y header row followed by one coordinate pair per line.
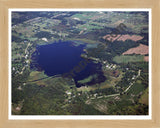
x,y
62,57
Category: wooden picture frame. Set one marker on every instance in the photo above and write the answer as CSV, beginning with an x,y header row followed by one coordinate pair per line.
x,y
4,39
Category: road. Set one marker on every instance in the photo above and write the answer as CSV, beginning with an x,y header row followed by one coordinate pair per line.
x,y
25,54
44,78
105,96
27,48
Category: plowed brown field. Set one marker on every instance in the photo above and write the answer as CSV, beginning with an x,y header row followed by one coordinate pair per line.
x,y
141,49
122,37
146,58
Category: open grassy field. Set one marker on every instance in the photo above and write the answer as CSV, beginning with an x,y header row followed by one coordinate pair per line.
x,y
88,41
88,79
144,97
128,58
47,81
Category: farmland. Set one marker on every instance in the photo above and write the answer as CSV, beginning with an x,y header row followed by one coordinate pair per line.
x,y
141,49
122,37
128,58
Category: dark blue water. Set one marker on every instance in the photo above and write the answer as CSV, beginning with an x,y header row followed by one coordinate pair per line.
x,y
63,58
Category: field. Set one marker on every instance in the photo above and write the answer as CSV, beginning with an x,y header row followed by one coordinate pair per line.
x,y
122,37
146,58
144,98
128,58
141,49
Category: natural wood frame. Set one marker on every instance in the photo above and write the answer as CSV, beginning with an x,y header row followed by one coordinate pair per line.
x,y
6,4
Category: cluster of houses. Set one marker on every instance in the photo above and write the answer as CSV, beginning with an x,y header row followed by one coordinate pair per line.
x,y
26,61
111,66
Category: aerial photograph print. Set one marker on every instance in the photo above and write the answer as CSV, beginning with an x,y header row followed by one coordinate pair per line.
x,y
75,62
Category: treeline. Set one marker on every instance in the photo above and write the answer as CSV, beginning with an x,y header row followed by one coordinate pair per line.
x,y
43,34
118,47
126,80
18,80
135,66
79,107
41,100
124,107
109,50
52,100
24,16
18,39
133,71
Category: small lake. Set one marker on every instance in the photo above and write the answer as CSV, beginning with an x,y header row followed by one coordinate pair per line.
x,y
62,57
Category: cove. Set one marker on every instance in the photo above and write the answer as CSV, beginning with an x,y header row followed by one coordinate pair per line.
x,y
62,57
